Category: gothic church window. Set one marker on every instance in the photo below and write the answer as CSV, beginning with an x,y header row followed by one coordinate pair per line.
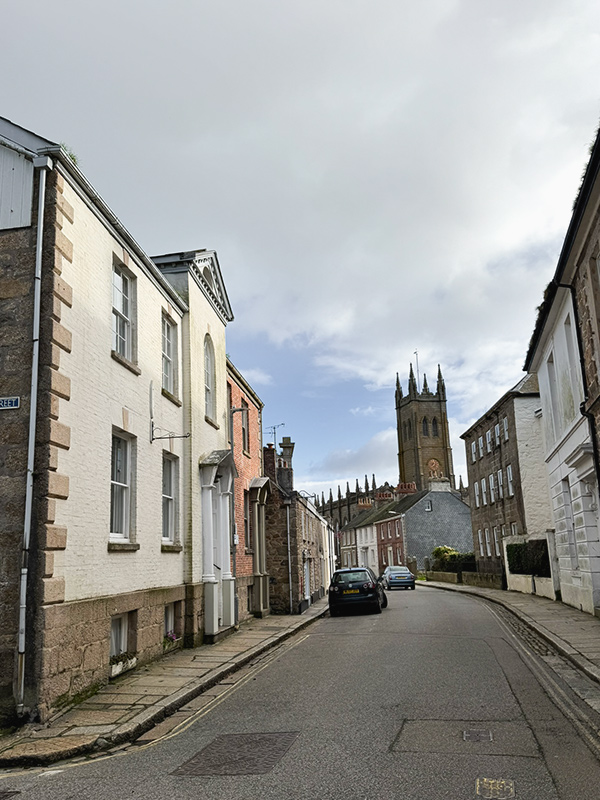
x,y
425,427
434,427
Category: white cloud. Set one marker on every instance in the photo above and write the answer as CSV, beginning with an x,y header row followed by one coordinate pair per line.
x,y
376,177
257,377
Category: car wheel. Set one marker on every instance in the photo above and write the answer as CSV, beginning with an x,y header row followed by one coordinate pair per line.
x,y
333,612
377,607
412,587
385,602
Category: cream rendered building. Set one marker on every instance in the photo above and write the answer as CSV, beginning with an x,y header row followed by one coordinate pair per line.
x,y
569,455
116,476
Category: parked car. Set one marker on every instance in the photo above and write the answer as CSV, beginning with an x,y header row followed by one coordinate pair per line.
x,y
355,586
398,578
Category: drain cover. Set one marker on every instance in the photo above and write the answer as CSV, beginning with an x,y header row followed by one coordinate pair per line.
x,y
239,754
478,736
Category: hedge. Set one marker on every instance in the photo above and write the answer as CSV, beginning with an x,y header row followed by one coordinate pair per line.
x,y
529,558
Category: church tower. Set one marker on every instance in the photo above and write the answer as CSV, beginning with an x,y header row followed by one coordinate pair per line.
x,y
424,450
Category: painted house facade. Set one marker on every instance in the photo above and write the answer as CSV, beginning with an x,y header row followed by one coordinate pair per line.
x,y
564,352
117,473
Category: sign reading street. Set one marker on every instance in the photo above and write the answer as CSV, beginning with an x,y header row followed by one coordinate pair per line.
x,y
10,402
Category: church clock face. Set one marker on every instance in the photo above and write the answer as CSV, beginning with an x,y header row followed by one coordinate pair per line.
x,y
433,466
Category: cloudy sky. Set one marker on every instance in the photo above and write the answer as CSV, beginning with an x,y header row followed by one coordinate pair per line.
x,y
376,176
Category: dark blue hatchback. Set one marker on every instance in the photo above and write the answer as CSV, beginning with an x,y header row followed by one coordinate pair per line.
x,y
355,586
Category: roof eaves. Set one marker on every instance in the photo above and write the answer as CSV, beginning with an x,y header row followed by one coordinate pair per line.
x,y
589,179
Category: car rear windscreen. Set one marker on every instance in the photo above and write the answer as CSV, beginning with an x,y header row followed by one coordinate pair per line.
x,y
360,576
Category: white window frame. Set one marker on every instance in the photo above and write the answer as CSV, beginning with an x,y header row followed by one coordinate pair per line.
x,y
245,426
497,433
476,488
119,634
123,313
480,537
248,543
169,619
480,442
170,492
169,355
492,488
496,541
514,529
210,388
121,486
509,480
488,545
505,425
483,492
473,452
488,441
500,486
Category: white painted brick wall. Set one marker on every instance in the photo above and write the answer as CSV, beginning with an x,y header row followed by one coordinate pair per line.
x,y
532,466
101,390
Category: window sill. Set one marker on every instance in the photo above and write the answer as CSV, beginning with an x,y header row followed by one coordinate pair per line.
x,y
123,547
249,552
246,453
166,393
211,422
125,362
169,547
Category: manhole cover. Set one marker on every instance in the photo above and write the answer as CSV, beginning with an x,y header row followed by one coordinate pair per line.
x,y
495,788
478,736
239,754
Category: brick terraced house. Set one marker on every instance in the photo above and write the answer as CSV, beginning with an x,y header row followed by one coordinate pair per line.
x,y
250,494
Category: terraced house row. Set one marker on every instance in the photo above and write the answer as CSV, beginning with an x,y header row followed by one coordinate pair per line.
x,y
132,491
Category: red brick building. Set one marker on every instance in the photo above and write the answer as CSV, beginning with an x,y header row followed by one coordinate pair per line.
x,y
250,492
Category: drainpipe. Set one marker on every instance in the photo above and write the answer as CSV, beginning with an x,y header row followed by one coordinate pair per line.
x,y
234,538
287,502
42,163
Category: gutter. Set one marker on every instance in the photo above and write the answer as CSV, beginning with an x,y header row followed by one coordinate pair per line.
x,y
43,163
56,151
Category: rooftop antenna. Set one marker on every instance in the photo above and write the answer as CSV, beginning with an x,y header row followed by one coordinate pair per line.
x,y
418,379
273,429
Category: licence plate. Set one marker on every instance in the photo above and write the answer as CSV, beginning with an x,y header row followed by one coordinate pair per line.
x,y
351,591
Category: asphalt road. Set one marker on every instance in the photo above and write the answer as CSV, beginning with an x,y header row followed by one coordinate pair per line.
x,y
437,697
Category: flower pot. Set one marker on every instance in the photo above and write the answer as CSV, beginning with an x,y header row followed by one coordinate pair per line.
x,y
122,666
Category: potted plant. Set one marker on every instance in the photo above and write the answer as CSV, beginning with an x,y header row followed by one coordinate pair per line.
x,y
122,662
170,640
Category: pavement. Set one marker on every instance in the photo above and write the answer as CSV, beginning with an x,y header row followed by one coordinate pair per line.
x,y
151,700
